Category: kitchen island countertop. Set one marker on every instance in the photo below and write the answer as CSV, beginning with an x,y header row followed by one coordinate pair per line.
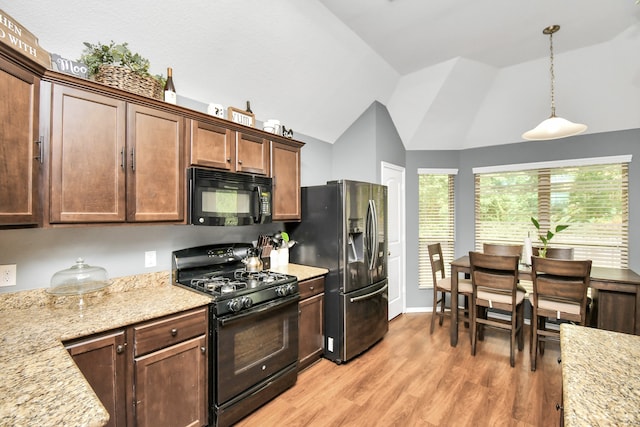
x,y
600,377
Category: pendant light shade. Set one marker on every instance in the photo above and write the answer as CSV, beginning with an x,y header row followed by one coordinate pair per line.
x,y
553,127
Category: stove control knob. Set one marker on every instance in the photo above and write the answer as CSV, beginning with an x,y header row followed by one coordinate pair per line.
x,y
284,290
235,305
247,302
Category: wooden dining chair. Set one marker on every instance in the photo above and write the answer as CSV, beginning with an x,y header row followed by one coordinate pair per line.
x,y
442,286
495,286
560,293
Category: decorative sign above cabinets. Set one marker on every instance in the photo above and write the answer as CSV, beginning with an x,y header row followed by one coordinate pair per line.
x,y
22,41
237,115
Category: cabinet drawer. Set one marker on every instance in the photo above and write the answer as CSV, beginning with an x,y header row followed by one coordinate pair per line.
x,y
168,331
311,287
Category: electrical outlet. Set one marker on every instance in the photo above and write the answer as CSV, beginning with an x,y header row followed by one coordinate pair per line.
x,y
150,259
8,275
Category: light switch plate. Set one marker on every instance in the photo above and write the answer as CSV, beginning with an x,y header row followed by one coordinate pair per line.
x,y
8,275
150,259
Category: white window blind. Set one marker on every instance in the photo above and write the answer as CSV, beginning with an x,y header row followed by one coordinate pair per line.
x,y
592,200
436,220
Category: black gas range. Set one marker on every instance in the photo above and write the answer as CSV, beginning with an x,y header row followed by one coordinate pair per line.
x,y
253,327
218,271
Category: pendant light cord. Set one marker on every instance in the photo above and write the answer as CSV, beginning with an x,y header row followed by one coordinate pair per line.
x,y
553,77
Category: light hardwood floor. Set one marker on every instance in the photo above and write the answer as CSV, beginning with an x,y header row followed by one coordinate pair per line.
x,y
411,378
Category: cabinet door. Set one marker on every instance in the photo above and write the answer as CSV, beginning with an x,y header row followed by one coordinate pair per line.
x,y
252,154
102,360
155,171
170,385
310,327
285,170
87,157
19,153
212,146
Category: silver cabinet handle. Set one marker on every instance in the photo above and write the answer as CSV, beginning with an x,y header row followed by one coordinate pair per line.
x,y
133,159
40,156
120,349
174,332
203,350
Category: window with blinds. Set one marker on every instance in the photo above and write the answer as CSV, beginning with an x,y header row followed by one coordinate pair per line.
x,y
435,220
591,199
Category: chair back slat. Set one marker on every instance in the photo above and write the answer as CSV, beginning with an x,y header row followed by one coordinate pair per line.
x,y
437,263
498,249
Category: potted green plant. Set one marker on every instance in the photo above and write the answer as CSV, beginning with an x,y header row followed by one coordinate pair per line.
x,y
117,66
545,238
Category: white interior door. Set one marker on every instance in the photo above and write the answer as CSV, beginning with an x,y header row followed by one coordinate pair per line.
x,y
394,178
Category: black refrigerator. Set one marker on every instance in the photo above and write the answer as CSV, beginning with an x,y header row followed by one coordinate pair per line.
x,y
344,229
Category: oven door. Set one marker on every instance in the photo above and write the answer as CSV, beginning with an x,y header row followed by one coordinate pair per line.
x,y
255,344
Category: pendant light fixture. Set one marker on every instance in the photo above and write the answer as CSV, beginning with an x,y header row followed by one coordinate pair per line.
x,y
553,127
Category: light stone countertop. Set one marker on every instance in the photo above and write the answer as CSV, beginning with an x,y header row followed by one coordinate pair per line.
x,y
302,272
41,385
600,377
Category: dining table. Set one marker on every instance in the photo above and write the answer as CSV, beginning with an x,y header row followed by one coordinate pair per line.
x,y
615,290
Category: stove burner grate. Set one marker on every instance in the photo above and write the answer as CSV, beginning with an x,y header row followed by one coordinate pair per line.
x,y
217,285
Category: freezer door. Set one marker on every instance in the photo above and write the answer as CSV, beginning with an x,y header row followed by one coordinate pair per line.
x,y
365,318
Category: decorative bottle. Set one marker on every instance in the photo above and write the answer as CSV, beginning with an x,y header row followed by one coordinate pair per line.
x,y
169,88
528,250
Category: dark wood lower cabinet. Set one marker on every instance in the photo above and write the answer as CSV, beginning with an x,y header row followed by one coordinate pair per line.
x,y
171,385
150,374
311,324
103,362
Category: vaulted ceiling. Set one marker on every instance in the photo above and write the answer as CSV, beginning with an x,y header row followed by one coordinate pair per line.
x,y
453,74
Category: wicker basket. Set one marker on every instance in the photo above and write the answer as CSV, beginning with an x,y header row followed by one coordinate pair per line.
x,y
125,79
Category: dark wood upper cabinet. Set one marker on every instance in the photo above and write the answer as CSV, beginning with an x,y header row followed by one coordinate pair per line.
x,y
20,149
113,161
212,145
285,170
252,153
155,170
88,157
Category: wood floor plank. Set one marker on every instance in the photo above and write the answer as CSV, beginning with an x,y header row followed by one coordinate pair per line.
x,y
412,378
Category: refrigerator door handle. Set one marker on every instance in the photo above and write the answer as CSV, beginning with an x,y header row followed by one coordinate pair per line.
x,y
370,234
371,295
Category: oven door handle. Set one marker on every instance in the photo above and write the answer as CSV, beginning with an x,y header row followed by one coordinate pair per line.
x,y
260,310
371,295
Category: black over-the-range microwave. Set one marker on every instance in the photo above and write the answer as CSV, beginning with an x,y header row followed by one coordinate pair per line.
x,y
225,198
